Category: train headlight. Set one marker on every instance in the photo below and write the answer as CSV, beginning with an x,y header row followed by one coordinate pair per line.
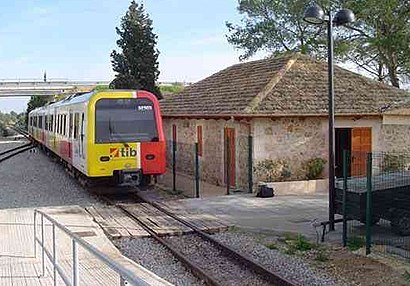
x,y
150,157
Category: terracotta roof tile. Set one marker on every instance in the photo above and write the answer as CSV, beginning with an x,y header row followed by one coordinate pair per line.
x,y
285,85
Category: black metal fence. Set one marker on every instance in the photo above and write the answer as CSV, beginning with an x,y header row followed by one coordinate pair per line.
x,y
198,164
374,199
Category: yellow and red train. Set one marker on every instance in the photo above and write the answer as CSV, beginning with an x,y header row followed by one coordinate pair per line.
x,y
110,134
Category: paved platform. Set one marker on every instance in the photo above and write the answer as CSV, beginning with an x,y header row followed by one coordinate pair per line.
x,y
278,214
20,266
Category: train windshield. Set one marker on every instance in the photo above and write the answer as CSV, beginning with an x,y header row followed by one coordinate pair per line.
x,y
125,120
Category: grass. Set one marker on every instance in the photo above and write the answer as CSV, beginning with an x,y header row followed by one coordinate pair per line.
x,y
322,256
355,243
406,276
297,242
272,245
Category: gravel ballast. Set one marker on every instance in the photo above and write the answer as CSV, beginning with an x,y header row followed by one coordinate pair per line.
x,y
156,258
290,267
225,270
31,179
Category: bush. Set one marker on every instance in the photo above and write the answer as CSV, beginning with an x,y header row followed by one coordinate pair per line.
x,y
393,162
272,171
314,168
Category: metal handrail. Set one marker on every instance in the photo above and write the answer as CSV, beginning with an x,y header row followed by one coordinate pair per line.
x,y
127,277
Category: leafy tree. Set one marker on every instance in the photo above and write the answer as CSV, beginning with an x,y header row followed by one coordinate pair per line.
x,y
377,42
35,102
174,88
276,26
136,64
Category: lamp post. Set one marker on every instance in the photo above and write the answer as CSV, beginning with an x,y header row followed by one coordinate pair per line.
x,y
315,15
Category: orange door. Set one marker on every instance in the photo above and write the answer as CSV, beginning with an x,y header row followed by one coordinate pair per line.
x,y
361,145
230,141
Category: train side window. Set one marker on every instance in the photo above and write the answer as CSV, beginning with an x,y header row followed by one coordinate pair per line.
x,y
58,124
76,123
65,125
40,122
51,122
61,124
70,126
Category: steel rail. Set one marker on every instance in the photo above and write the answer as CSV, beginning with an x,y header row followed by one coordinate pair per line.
x,y
15,149
199,273
257,267
16,153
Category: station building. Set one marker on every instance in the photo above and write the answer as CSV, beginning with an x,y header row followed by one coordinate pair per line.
x,y
280,105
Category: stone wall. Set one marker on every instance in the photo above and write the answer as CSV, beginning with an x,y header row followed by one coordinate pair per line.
x,y
293,140
395,134
212,159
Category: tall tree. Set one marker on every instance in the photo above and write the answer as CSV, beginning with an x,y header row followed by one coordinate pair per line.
x,y
136,64
34,102
276,26
379,40
376,43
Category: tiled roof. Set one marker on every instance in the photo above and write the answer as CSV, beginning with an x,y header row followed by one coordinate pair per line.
x,y
288,85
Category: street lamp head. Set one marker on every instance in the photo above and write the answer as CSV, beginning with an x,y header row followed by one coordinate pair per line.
x,y
314,15
343,17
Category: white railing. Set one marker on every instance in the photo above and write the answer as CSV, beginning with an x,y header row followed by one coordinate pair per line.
x,y
126,276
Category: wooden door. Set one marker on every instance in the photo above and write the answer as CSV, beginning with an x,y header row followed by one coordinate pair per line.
x,y
361,145
229,145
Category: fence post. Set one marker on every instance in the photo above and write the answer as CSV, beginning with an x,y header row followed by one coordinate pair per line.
x,y
369,204
345,168
54,255
228,165
35,234
42,247
250,163
196,170
174,175
75,264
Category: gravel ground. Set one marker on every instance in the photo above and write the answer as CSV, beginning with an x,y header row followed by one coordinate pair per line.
x,y
158,259
226,271
290,267
31,179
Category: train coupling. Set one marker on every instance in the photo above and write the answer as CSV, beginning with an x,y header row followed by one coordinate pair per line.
x,y
129,177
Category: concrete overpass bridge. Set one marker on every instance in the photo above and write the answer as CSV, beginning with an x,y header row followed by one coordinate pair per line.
x,y
29,87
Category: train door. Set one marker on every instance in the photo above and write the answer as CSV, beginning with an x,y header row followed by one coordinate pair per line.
x,y
77,144
82,137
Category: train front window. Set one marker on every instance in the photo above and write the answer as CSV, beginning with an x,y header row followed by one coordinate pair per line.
x,y
125,120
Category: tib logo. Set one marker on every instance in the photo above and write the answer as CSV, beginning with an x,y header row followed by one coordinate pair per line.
x,y
122,152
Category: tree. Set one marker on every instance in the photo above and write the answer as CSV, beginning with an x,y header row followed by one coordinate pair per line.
x,y
376,43
136,64
35,102
276,26
379,40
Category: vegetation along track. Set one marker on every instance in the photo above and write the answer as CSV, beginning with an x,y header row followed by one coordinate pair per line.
x,y
210,260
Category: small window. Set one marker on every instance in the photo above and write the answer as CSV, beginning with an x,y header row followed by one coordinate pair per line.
x,y
51,123
199,139
76,124
65,125
40,122
70,124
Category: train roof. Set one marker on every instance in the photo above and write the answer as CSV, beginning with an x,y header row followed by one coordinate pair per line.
x,y
74,99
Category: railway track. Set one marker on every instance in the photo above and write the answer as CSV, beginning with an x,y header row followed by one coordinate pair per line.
x,y
208,259
10,153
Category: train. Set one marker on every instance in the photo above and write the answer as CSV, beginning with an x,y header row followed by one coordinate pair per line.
x,y
113,134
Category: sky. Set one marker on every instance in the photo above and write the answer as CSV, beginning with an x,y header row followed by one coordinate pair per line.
x,y
73,39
